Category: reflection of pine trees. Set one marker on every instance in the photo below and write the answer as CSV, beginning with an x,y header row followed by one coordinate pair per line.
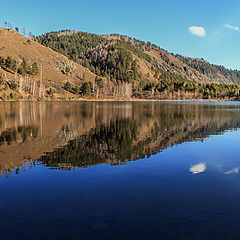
x,y
121,140
21,134
112,141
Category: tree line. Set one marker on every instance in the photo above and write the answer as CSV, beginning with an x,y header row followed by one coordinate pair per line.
x,y
11,64
174,88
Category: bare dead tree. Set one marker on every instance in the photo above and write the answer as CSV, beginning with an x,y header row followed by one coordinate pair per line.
x,y
20,85
128,90
9,26
34,87
24,31
30,36
40,84
97,92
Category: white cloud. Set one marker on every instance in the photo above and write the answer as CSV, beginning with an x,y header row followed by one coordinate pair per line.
x,y
232,27
232,171
198,168
199,31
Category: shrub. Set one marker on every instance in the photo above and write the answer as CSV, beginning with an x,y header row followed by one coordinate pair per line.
x,y
68,86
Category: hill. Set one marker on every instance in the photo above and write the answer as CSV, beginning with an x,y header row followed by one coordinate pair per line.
x,y
152,71
69,65
18,55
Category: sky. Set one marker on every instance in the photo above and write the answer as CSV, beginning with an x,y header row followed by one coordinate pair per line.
x,y
204,29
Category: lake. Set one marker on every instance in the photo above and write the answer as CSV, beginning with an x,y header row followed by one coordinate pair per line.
x,y
120,170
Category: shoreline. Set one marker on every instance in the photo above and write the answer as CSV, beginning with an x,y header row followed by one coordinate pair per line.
x,y
124,100
154,100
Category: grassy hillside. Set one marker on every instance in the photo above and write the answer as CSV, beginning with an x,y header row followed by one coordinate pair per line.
x,y
28,70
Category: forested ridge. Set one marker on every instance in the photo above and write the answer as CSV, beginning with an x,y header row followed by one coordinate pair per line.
x,y
151,71
211,70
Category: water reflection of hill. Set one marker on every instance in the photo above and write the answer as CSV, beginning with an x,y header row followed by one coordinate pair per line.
x,y
68,135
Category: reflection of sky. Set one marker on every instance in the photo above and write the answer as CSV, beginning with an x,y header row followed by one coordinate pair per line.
x,y
219,153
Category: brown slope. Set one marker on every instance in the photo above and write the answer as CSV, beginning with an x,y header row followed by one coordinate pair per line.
x,y
53,64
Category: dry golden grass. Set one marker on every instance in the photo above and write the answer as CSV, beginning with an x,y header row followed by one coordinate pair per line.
x,y
17,46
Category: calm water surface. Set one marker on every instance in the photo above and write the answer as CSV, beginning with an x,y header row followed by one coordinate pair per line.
x,y
120,171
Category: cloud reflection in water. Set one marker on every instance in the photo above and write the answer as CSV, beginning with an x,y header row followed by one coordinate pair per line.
x,y
198,168
232,171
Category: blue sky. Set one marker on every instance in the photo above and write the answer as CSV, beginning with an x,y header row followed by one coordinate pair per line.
x,y
165,23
